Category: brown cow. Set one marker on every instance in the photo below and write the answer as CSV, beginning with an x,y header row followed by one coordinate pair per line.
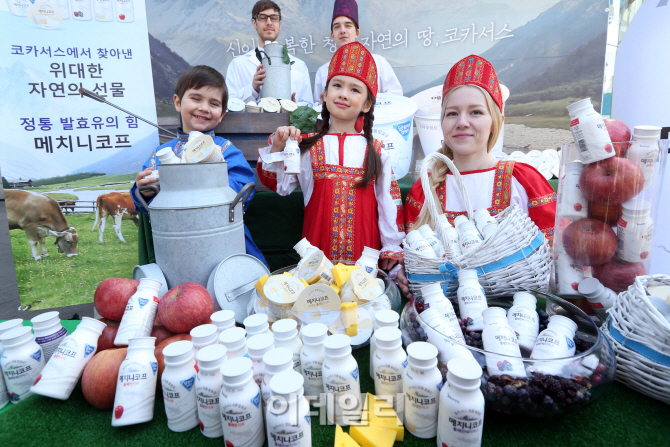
x,y
40,216
117,204
67,204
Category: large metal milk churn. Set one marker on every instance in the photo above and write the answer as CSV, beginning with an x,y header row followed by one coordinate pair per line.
x,y
197,220
277,82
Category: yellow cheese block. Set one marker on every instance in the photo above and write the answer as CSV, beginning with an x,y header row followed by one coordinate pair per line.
x,y
260,283
335,288
349,317
287,274
372,437
342,273
380,414
342,439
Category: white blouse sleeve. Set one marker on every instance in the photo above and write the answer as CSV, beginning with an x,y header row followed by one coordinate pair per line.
x,y
287,183
391,235
519,196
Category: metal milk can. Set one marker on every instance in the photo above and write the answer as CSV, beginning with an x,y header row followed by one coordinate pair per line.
x,y
277,82
197,220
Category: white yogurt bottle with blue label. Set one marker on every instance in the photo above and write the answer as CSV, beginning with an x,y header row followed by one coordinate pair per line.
x,y
61,374
421,390
288,419
136,387
4,327
555,342
341,381
499,338
368,260
240,404
48,332
178,383
140,314
389,364
21,362
208,385
471,300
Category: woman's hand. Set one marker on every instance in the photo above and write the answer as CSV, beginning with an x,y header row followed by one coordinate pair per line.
x,y
282,135
143,179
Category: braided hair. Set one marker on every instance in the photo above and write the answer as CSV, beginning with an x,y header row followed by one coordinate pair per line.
x,y
373,162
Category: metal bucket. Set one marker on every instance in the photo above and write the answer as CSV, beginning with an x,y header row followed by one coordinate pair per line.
x,y
196,220
277,82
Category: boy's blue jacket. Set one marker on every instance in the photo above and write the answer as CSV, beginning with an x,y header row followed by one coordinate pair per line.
x,y
239,174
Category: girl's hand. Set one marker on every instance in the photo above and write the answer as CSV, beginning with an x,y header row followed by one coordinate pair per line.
x,y
403,283
142,179
400,278
282,135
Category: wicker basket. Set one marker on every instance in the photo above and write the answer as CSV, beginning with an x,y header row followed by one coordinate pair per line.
x,y
516,258
640,336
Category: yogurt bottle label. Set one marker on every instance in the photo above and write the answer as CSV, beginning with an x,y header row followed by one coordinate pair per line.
x,y
135,391
50,342
287,435
421,404
311,371
242,421
180,403
208,409
20,374
66,365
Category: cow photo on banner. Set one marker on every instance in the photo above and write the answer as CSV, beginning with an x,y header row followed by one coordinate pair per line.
x,y
69,161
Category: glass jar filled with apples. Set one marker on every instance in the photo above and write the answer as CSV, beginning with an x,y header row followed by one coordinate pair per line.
x,y
607,201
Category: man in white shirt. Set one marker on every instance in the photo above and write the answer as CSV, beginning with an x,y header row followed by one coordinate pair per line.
x,y
344,29
245,74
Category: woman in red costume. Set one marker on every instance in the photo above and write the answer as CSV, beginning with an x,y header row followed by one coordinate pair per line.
x,y
471,122
351,197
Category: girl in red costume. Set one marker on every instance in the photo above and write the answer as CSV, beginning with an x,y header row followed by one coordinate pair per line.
x,y
351,197
471,122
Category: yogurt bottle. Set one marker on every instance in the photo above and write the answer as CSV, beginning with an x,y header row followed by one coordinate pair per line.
x,y
421,390
341,381
433,241
450,344
256,324
48,332
104,11
165,155
234,339
312,357
223,319
140,314
571,201
644,150
81,9
19,7
389,365
288,417
286,336
635,231
125,12
451,234
61,374
468,236
257,346
136,387
304,249
461,406
418,243
208,383
21,362
600,298
499,338
382,318
590,133
368,260
4,327
274,361
317,269
523,319
555,342
486,224
178,383
203,336
471,300
568,272
291,157
434,298
240,404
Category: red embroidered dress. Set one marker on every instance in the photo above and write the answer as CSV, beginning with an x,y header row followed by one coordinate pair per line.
x,y
341,218
512,183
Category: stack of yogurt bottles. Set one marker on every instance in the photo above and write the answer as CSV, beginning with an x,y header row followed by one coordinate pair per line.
x,y
608,190
464,237
343,297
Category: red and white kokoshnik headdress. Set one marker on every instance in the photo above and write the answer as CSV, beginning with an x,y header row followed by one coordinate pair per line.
x,y
474,70
354,60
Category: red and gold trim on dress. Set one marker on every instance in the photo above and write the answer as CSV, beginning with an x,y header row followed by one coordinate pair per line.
x,y
395,255
544,200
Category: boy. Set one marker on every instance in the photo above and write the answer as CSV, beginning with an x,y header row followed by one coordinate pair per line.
x,y
201,97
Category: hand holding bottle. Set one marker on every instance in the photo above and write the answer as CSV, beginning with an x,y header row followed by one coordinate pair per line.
x,y
282,135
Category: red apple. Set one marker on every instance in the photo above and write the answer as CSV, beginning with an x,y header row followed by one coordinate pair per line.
x,y
618,274
112,295
98,383
612,181
185,306
158,352
608,214
589,242
619,134
109,322
161,333
106,340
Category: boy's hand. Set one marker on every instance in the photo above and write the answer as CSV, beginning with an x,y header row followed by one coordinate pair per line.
x,y
282,135
258,79
142,179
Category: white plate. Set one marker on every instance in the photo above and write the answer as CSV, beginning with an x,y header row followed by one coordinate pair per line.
x,y
517,156
534,158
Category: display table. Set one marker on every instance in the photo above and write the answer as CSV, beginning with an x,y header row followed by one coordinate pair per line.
x,y
622,418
